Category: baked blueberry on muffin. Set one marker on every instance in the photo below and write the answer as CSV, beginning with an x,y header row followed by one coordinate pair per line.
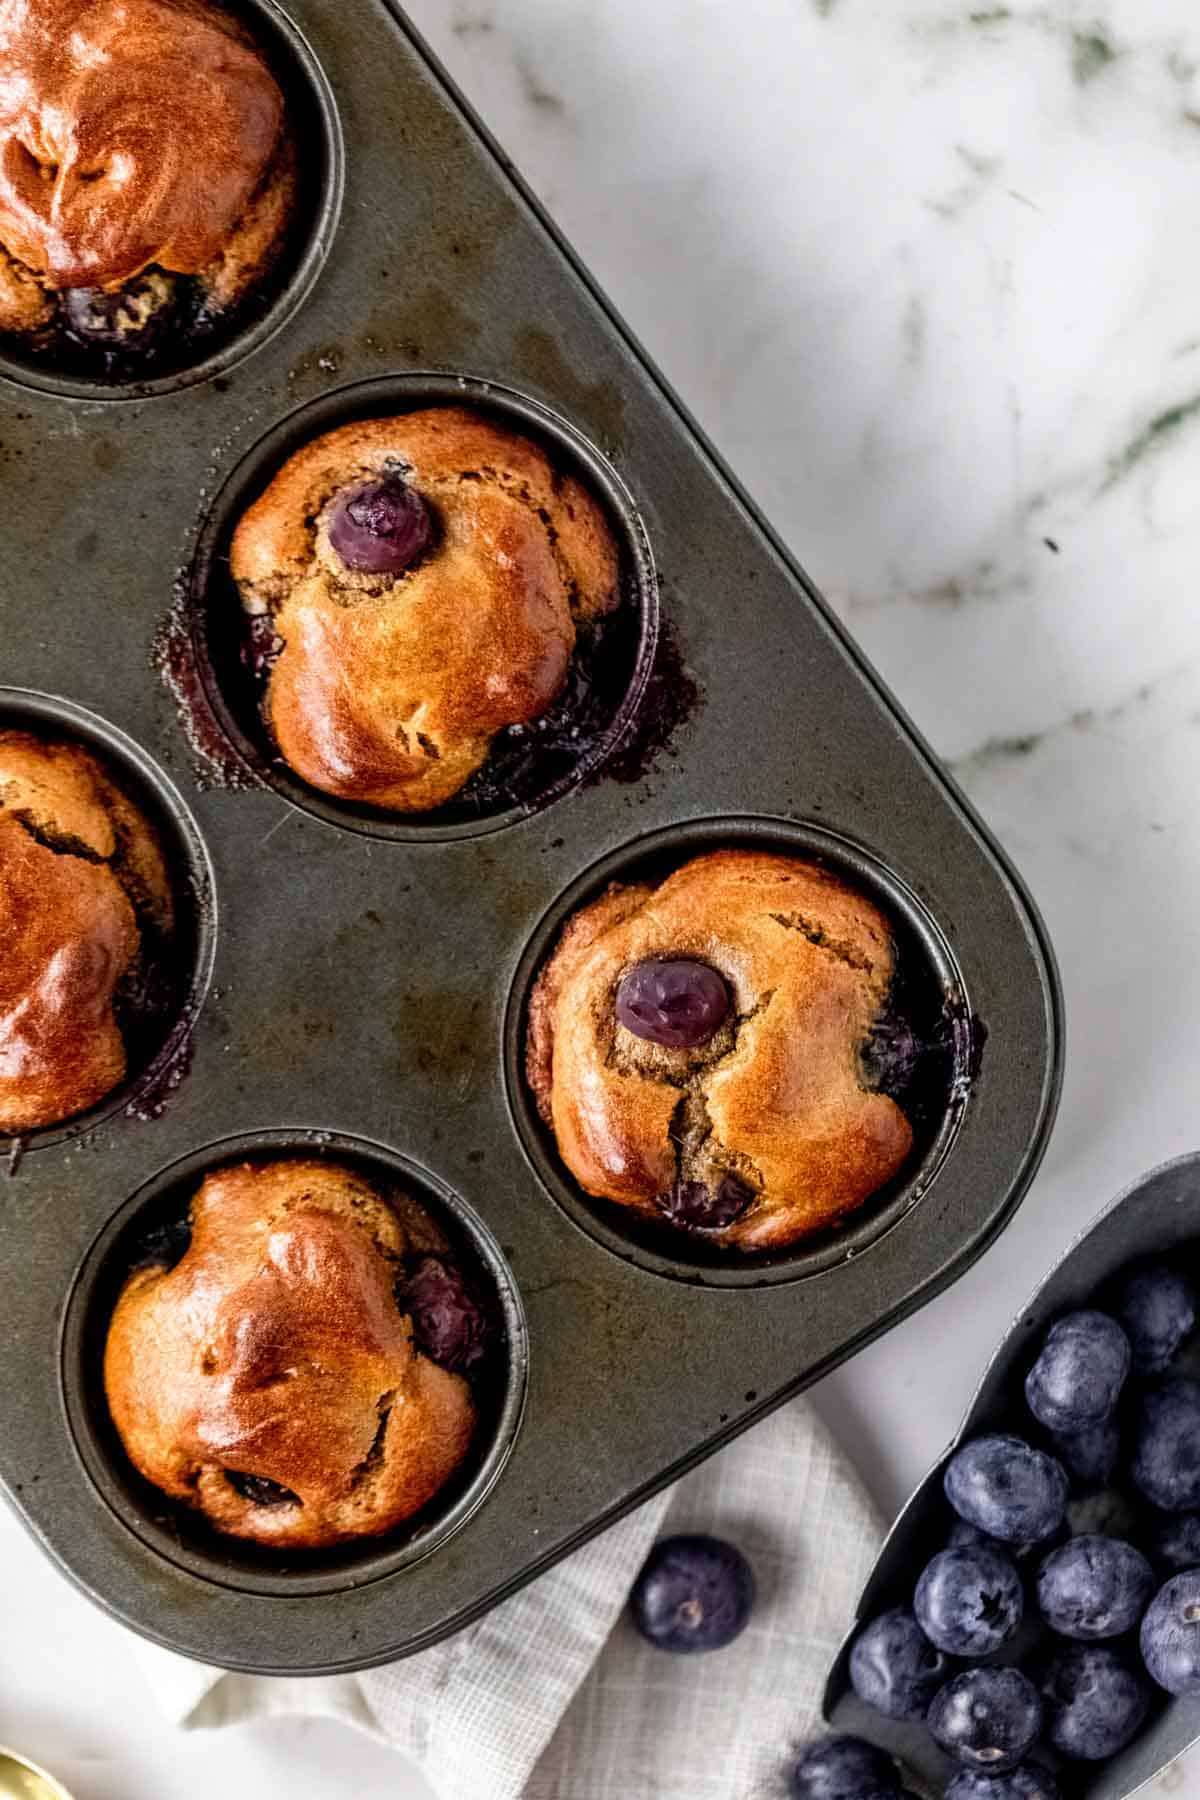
x,y
717,1051
86,915
417,585
147,174
299,1376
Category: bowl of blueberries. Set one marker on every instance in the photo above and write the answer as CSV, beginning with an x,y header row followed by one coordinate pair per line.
x,y
1031,1630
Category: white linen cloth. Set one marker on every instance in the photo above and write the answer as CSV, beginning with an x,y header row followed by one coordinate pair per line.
x,y
554,1696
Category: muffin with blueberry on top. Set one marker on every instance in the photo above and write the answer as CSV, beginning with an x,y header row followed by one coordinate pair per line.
x,y
717,1051
416,587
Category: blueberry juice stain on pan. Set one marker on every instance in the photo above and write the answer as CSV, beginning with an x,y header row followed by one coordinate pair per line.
x,y
465,1317
217,658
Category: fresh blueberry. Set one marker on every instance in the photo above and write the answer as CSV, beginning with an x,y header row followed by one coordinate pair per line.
x,y
1095,1702
380,527
449,1326
844,1768
987,1719
1077,1380
675,1003
1094,1587
697,1206
1166,1446
969,1601
1029,1782
1007,1489
1157,1307
1173,1541
894,1667
693,1593
1090,1456
1171,1635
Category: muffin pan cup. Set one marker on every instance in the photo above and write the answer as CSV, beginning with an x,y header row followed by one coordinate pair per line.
x,y
255,319
1157,1217
362,984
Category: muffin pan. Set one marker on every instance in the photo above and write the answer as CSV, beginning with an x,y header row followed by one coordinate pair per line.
x,y
370,973
1158,1217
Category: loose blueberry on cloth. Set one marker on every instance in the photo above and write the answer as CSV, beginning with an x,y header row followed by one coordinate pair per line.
x,y
694,1593
555,1694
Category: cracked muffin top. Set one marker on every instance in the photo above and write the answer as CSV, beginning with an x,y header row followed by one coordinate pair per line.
x,y
143,147
84,894
297,1377
419,582
701,1049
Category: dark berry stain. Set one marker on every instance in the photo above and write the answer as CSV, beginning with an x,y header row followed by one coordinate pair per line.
x,y
672,697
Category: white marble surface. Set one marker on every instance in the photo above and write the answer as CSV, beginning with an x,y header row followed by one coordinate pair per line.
x,y
930,276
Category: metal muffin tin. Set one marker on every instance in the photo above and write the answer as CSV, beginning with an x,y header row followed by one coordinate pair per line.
x,y
369,975
1158,1216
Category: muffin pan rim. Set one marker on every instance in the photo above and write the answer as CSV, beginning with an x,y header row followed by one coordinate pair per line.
x,y
62,717
375,1560
257,465
319,234
855,1235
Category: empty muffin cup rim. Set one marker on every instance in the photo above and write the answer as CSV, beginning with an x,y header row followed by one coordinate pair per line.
x,y
57,718
316,231
381,396
361,1561
649,1249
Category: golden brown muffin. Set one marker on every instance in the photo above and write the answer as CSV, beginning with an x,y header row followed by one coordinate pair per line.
x,y
425,577
82,876
271,1379
696,1047
140,141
